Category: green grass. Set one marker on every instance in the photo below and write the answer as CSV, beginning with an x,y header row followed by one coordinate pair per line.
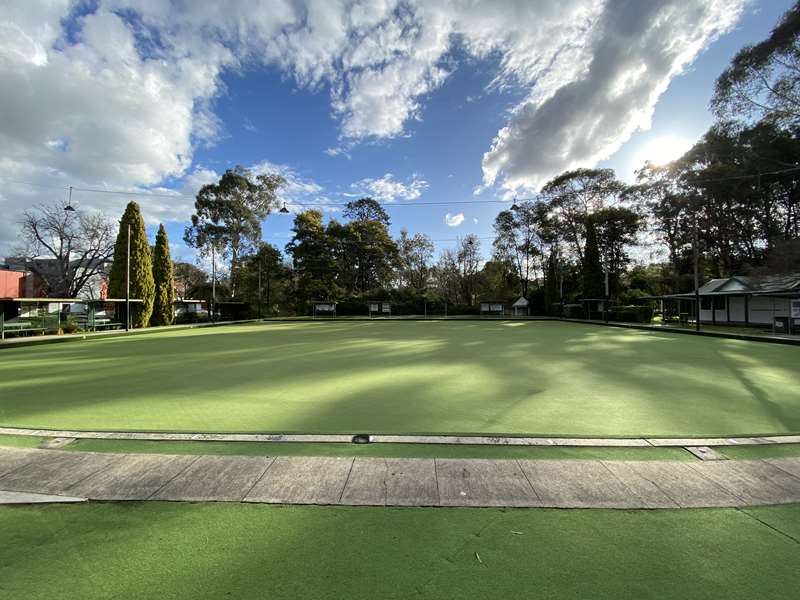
x,y
171,550
762,451
378,450
20,441
522,377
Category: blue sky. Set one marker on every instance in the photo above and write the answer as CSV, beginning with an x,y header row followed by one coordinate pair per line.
x,y
408,99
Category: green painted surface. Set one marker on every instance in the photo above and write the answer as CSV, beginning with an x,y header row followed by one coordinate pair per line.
x,y
198,551
522,377
20,441
378,450
764,451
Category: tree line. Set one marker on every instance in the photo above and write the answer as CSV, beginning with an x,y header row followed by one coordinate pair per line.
x,y
734,198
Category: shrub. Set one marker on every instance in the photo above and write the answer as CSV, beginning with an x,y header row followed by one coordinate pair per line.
x,y
574,311
633,314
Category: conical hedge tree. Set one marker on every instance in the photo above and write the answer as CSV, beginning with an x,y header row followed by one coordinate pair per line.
x,y
593,276
142,285
163,311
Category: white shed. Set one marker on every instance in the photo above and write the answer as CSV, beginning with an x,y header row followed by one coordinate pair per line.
x,y
520,306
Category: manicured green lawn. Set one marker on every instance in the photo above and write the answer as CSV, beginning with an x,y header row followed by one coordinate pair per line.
x,y
173,550
529,377
756,452
379,450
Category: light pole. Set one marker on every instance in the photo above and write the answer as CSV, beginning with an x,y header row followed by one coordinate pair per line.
x,y
213,281
128,282
696,258
70,208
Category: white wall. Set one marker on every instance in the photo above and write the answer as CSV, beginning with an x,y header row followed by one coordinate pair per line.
x,y
761,309
737,308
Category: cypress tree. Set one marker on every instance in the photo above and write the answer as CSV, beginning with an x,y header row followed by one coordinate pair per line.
x,y
593,276
551,295
142,285
163,311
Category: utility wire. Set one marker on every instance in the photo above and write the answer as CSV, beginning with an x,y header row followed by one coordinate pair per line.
x,y
384,204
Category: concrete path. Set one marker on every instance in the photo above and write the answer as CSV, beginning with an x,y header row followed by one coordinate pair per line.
x,y
74,476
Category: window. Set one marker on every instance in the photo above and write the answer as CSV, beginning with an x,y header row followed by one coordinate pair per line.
x,y
719,302
705,303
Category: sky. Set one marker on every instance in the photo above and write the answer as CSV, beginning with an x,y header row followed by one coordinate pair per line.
x,y
444,110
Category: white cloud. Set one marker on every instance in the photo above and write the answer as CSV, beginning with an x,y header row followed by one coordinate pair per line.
x,y
297,190
248,125
635,50
387,188
475,220
122,95
454,220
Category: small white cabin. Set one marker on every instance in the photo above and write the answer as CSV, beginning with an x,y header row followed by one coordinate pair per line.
x,y
521,307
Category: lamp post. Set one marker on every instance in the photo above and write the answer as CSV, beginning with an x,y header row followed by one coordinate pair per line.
x,y
696,260
213,282
128,282
69,208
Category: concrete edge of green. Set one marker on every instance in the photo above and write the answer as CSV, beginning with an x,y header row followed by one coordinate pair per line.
x,y
715,334
398,450
34,341
88,336
409,438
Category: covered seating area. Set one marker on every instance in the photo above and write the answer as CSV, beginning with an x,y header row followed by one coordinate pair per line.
x,y
40,316
768,302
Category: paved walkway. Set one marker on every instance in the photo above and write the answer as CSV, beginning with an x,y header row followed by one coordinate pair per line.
x,y
400,482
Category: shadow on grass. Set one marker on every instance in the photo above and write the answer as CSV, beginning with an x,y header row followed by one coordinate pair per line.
x,y
546,378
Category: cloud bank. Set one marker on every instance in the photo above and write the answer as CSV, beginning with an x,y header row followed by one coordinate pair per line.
x,y
120,92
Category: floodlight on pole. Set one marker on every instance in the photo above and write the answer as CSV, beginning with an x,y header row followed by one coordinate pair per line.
x,y
515,206
696,261
213,281
128,282
283,209
69,207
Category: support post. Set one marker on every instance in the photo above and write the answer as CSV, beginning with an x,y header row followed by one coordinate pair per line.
x,y
696,259
747,310
128,283
213,282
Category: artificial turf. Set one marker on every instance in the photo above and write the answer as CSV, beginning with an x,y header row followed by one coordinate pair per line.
x,y
760,451
172,550
523,377
21,441
378,450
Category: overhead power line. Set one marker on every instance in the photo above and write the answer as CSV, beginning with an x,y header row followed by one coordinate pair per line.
x,y
323,204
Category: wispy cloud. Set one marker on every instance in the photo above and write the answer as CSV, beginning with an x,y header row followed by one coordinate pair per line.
x,y
454,220
388,189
